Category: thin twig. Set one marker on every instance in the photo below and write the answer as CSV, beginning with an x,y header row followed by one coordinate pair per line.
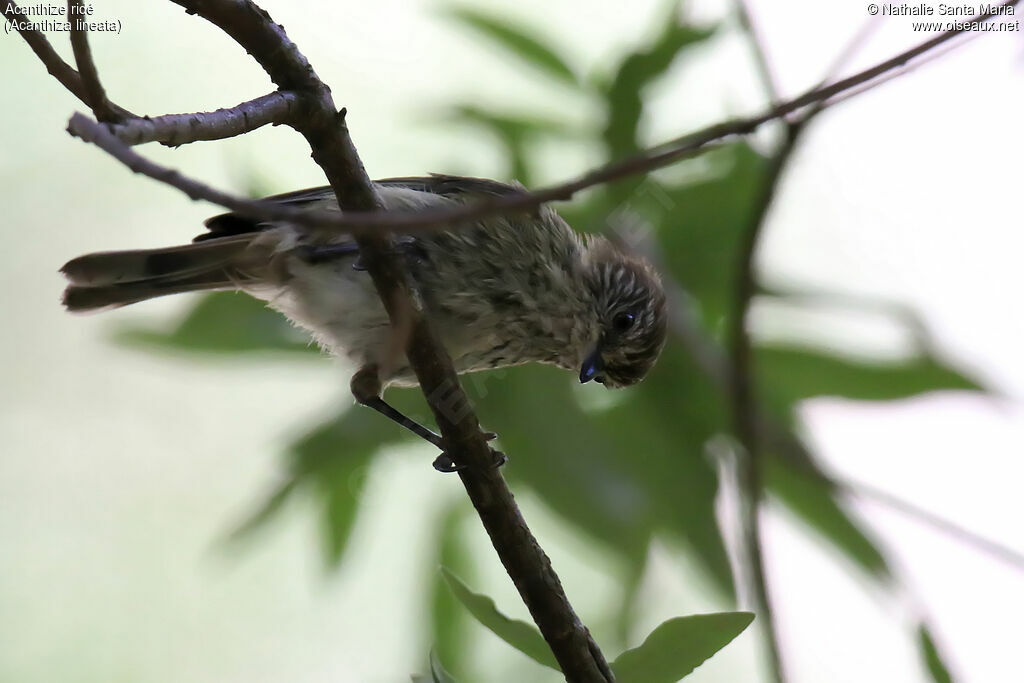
x,y
171,129
761,59
83,127
745,413
905,69
715,365
96,96
797,458
648,160
999,551
744,403
409,221
55,66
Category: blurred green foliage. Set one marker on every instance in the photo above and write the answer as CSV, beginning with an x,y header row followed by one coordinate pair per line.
x,y
678,646
932,657
640,468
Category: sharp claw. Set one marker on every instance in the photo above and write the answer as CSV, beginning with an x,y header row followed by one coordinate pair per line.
x,y
499,458
444,463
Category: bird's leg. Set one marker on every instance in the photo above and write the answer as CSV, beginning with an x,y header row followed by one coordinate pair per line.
x,y
366,389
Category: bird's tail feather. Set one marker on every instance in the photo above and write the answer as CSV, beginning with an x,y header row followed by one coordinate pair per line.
x,y
118,278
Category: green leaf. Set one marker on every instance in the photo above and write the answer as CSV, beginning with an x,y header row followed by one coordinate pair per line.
x,y
520,635
225,322
678,646
702,251
331,462
932,657
266,510
514,131
897,312
814,500
449,620
437,672
637,467
506,125
518,40
624,93
792,373
335,459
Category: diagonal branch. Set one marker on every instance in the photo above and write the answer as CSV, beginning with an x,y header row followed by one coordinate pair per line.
x,y
170,129
333,150
281,107
96,96
748,421
57,67
661,155
81,126
744,407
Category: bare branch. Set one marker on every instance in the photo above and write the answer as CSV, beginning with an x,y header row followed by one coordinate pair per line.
x,y
717,367
747,419
996,550
269,110
275,108
295,70
81,126
96,96
745,411
55,66
653,158
761,58
170,129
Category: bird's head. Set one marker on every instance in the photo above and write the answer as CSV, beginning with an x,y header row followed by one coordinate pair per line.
x,y
630,306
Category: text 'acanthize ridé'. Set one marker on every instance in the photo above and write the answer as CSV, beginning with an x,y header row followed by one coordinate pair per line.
x,y
47,10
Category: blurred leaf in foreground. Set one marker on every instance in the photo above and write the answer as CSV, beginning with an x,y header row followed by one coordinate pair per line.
x,y
812,499
437,672
519,41
332,462
225,322
937,668
623,93
792,374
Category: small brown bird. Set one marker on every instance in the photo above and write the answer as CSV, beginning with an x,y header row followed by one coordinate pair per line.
x,y
500,291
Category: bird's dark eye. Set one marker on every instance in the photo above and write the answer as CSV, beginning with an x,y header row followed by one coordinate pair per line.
x,y
622,321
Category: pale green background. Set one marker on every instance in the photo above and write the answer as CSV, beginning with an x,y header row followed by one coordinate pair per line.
x,y
121,471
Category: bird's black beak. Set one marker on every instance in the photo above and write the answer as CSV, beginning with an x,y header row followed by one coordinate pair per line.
x,y
592,365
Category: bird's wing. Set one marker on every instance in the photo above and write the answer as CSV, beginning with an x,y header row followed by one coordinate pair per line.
x,y
456,188
227,224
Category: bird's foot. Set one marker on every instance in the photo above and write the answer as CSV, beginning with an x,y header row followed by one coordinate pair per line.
x,y
445,463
